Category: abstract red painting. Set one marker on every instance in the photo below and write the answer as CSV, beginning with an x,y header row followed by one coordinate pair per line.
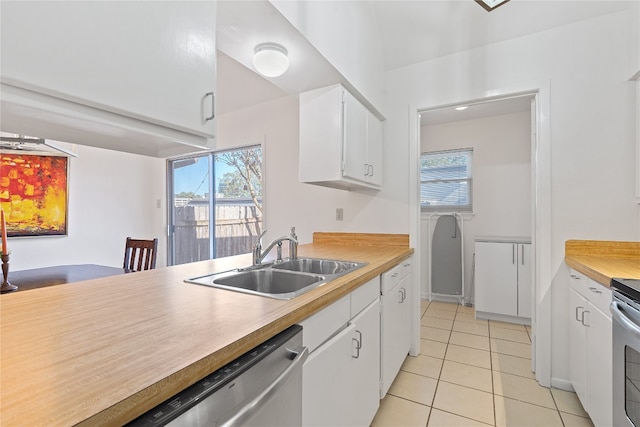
x,y
33,194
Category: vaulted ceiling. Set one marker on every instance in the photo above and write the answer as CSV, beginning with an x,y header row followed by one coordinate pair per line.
x,y
411,31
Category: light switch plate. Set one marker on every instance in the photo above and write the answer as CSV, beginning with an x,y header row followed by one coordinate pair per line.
x,y
339,214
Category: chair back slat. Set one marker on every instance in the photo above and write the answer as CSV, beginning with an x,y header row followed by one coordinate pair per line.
x,y
140,254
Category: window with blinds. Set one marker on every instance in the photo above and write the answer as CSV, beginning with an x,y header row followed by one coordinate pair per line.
x,y
445,181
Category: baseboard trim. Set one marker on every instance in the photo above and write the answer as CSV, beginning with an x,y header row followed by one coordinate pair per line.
x,y
561,384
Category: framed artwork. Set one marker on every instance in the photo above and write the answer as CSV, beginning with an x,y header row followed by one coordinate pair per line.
x,y
34,193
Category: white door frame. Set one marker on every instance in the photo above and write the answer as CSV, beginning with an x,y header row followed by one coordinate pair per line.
x,y
541,217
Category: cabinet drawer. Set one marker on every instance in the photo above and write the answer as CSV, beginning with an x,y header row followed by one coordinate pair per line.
x,y
321,326
599,296
405,267
392,277
365,295
578,281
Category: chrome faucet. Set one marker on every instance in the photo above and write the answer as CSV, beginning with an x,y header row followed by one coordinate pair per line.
x,y
259,255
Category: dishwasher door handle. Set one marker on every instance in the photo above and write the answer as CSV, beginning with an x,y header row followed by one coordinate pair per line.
x,y
300,355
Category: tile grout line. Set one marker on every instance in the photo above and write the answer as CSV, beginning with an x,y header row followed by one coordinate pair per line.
x,y
444,357
433,399
438,380
557,408
493,387
490,370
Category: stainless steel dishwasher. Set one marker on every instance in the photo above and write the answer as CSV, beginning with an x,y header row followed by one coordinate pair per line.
x,y
261,388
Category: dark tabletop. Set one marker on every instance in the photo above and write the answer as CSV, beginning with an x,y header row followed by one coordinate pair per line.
x,y
58,275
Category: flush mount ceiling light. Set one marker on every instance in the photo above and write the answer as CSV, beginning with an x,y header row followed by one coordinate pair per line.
x,y
270,59
489,5
462,107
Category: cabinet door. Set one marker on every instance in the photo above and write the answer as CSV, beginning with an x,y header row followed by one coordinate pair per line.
x,y
153,61
396,332
578,344
327,382
524,280
321,135
354,158
496,278
374,149
366,366
599,367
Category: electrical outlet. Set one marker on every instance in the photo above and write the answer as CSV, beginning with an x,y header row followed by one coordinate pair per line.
x,y
339,214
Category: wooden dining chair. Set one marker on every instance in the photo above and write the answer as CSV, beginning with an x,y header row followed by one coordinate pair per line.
x,y
140,254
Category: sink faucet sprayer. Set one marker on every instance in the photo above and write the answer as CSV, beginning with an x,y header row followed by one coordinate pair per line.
x,y
259,255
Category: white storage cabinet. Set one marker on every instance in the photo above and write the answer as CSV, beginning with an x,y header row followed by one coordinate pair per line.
x,y
340,140
503,280
395,301
590,343
341,374
118,63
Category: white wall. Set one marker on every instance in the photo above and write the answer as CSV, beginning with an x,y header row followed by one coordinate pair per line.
x,y
309,207
589,109
501,169
112,195
359,59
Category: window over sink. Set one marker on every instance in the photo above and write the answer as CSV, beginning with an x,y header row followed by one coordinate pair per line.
x,y
215,204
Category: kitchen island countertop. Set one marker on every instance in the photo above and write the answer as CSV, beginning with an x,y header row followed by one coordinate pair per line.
x,y
103,351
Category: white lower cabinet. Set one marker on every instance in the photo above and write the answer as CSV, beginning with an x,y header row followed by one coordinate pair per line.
x,y
357,346
503,280
590,344
578,345
366,366
327,386
340,380
395,322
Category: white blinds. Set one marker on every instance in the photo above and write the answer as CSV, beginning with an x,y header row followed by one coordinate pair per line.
x,y
445,181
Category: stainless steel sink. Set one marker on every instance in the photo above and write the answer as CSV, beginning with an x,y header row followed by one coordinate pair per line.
x,y
318,266
284,280
270,281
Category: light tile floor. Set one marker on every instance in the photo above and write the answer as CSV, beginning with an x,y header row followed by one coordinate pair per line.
x,y
473,373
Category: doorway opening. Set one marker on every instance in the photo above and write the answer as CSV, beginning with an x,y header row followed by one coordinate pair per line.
x,y
498,133
533,110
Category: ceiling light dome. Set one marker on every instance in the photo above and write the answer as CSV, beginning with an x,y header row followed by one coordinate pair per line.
x,y
270,59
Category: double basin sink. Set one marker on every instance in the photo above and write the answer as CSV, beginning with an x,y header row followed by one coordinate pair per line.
x,y
281,280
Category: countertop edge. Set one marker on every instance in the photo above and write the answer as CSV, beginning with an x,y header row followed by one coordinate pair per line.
x,y
587,271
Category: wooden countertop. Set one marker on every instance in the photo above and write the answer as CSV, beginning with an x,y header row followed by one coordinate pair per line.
x,y
103,351
603,260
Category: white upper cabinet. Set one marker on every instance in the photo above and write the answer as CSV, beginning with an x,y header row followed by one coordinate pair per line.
x,y
340,140
114,63
374,149
354,142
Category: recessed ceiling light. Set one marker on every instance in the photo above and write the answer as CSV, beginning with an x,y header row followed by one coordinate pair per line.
x,y
489,5
462,107
270,59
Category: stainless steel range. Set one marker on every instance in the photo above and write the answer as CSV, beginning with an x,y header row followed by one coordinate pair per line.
x,y
625,312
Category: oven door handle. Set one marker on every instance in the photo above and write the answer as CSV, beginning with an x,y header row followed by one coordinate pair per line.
x,y
617,312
